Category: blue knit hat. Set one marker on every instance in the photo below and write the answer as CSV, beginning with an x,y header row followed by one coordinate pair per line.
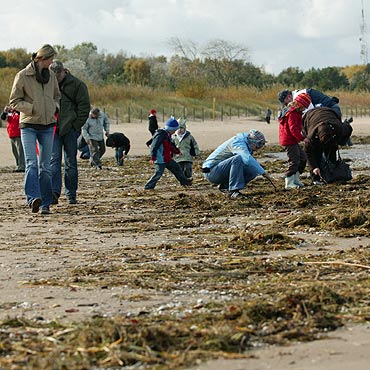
x,y
257,138
172,124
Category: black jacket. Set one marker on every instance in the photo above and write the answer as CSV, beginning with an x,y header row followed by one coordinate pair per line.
x,y
153,124
74,104
118,140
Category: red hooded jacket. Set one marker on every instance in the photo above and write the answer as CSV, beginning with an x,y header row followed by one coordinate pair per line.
x,y
290,128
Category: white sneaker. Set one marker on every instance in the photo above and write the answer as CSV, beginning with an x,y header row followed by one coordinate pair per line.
x,y
237,194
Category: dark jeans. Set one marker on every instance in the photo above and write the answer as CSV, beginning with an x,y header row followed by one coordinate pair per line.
x,y
187,168
296,159
232,174
85,152
118,155
37,180
97,150
159,169
68,145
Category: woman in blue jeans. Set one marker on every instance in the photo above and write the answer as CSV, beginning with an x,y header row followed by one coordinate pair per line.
x,y
35,94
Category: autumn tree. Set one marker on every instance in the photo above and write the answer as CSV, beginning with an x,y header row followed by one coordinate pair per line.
x,y
290,77
361,80
15,58
223,60
137,71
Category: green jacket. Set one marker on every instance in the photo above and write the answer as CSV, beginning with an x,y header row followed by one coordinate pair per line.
x,y
37,102
188,146
74,104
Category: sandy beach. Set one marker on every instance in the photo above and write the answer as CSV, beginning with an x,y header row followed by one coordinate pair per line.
x,y
208,134
81,261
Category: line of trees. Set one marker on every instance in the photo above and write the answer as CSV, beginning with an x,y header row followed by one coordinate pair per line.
x,y
192,69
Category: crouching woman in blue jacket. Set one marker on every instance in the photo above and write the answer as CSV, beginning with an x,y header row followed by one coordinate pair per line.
x,y
231,166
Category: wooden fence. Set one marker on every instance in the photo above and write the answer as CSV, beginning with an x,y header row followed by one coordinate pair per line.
x,y
129,115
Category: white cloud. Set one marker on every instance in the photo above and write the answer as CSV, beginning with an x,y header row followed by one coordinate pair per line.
x,y
279,33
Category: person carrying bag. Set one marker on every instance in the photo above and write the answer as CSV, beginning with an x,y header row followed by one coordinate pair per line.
x,y
324,132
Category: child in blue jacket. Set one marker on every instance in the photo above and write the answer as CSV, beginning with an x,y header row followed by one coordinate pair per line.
x,y
162,150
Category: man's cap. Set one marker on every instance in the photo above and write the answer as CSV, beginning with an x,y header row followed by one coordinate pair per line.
x,y
57,67
283,94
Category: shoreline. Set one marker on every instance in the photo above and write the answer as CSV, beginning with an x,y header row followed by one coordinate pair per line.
x,y
208,134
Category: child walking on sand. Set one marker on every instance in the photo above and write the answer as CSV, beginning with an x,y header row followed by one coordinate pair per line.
x,y
161,151
188,146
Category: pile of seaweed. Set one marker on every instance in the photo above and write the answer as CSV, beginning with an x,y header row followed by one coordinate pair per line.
x,y
239,266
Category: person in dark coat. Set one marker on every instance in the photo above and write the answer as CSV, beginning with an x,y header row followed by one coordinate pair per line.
x,y
121,144
324,132
153,125
268,115
74,110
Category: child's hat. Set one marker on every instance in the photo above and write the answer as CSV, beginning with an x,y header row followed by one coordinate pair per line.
x,y
182,123
304,100
152,111
172,124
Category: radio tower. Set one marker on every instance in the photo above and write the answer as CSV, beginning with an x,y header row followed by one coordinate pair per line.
x,y
363,36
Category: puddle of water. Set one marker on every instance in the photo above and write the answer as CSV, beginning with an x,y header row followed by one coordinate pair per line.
x,y
358,155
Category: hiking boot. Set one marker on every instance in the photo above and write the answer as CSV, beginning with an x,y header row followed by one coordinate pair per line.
x,y
35,205
55,198
72,201
236,194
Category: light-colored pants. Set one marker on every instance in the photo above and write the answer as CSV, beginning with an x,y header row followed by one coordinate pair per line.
x,y
17,150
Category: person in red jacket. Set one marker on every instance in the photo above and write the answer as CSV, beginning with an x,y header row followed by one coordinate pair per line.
x,y
290,135
14,132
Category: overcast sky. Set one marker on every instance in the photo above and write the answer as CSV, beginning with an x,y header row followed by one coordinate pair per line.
x,y
278,33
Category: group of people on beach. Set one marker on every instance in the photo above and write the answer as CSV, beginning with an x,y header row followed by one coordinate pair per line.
x,y
307,116
48,108
50,115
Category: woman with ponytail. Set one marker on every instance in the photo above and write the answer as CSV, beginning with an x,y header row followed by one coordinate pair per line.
x,y
35,94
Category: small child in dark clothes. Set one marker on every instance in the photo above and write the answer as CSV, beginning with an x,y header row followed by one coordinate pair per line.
x,y
153,125
121,144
